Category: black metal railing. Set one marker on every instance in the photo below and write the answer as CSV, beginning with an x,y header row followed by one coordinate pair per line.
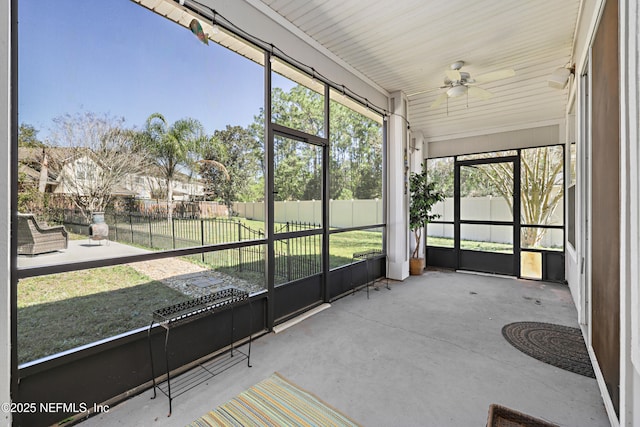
x,y
296,257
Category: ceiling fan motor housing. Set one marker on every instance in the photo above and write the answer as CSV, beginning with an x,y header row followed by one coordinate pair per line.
x,y
458,83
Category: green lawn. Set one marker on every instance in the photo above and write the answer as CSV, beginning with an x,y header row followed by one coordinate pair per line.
x,y
475,245
342,246
471,245
62,311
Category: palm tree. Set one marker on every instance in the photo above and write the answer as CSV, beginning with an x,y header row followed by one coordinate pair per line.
x,y
172,147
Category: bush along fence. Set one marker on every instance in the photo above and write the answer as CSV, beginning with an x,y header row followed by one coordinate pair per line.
x,y
295,258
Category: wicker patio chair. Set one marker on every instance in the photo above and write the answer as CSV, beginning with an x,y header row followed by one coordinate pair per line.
x,y
34,239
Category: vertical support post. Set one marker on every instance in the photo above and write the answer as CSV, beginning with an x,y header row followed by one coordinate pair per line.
x,y
517,217
397,185
269,171
8,214
456,211
326,197
166,359
250,333
385,192
233,328
153,373
150,233
202,236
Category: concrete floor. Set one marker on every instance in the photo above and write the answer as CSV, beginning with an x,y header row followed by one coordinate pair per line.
x,y
80,250
428,352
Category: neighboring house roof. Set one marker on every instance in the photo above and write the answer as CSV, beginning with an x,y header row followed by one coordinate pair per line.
x,y
31,173
156,172
31,159
122,191
30,163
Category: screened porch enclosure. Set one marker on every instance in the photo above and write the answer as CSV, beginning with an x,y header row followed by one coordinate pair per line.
x,y
503,213
308,155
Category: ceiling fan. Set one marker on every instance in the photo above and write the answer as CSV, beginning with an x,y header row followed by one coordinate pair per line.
x,y
458,83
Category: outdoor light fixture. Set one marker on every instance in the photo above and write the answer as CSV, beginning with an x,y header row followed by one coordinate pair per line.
x,y
560,77
456,91
196,29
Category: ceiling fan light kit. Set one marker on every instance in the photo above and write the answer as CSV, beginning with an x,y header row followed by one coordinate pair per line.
x,y
458,83
456,91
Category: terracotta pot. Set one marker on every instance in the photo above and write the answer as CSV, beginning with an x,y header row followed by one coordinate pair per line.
x,y
416,266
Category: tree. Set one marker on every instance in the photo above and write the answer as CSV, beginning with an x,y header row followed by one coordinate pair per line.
x,y
300,108
542,191
423,197
28,136
238,156
540,184
297,170
172,148
29,196
355,163
94,154
356,155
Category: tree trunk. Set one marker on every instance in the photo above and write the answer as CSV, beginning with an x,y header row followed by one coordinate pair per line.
x,y
418,236
169,200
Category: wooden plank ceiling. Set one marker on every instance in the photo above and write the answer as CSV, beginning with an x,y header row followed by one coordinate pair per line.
x,y
408,44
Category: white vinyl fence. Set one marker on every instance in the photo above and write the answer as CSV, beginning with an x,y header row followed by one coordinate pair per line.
x,y
354,213
487,209
343,213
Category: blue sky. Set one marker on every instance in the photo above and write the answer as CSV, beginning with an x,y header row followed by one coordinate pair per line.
x,y
117,57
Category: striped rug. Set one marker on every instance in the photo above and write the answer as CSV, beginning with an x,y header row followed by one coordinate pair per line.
x,y
274,401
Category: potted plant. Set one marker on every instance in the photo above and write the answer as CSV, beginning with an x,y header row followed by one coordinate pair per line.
x,y
423,197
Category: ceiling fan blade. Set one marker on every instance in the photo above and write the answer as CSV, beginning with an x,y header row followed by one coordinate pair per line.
x,y
495,75
439,100
478,92
453,75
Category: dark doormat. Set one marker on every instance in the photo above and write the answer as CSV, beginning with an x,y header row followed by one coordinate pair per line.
x,y
557,345
501,416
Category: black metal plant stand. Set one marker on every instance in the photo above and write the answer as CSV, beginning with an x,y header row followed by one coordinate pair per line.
x,y
188,311
367,257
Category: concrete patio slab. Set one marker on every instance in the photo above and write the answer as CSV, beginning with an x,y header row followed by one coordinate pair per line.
x,y
427,353
80,250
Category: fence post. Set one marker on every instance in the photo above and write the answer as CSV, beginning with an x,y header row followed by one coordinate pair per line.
x,y
150,233
131,226
202,235
173,231
239,249
288,256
